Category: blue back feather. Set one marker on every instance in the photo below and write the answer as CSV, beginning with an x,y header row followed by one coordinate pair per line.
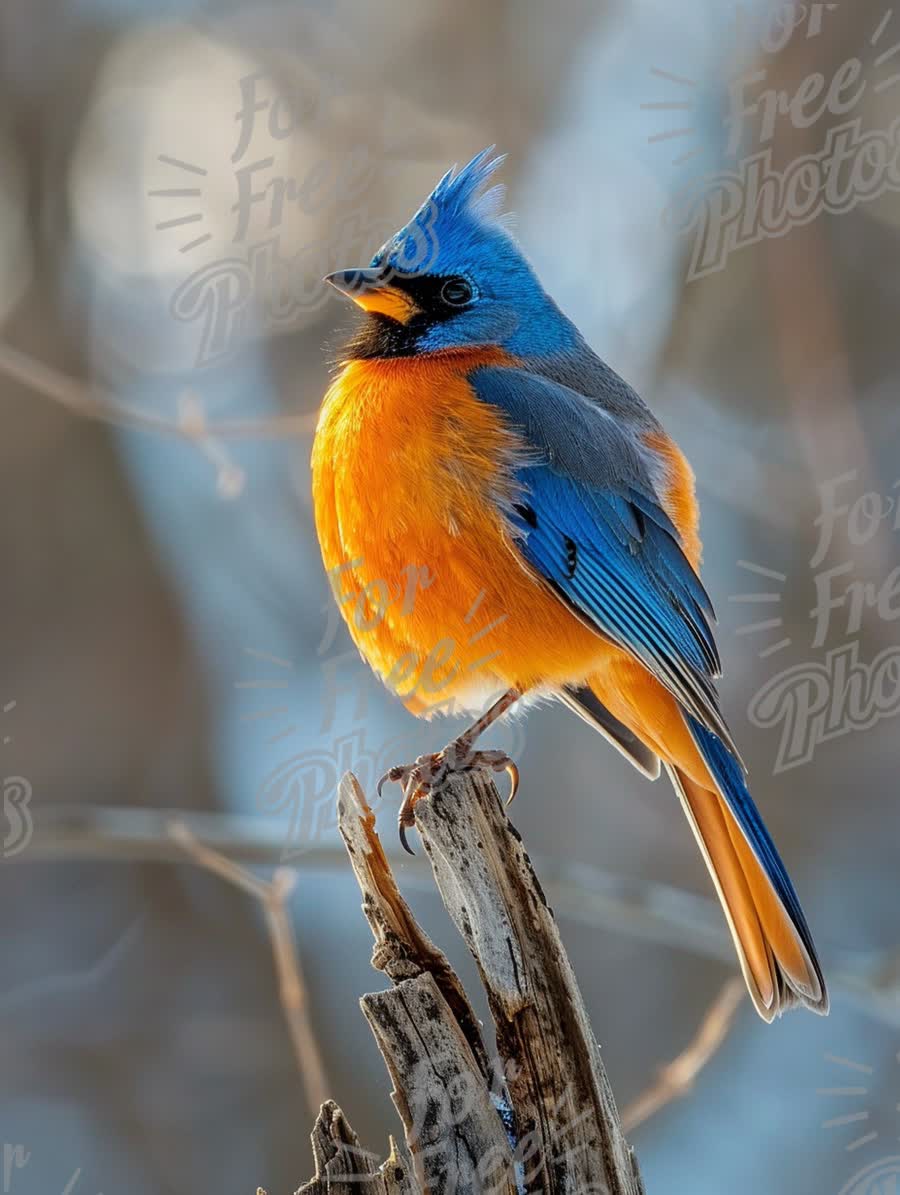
x,y
590,524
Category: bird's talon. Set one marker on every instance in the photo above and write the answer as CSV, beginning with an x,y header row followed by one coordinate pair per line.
x,y
513,771
429,771
403,842
391,776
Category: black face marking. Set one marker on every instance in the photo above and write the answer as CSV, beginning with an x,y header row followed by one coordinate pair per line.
x,y
571,556
380,336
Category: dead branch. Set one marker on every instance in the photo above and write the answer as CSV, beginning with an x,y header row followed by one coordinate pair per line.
x,y
426,1030
89,402
402,948
542,1117
560,1096
677,1078
273,896
454,1132
343,1167
585,894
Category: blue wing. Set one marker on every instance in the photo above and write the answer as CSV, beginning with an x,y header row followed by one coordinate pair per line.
x,y
587,520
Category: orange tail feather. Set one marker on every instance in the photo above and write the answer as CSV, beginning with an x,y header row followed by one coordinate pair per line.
x,y
776,965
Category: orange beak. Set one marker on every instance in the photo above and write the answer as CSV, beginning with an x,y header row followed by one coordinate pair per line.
x,y
369,290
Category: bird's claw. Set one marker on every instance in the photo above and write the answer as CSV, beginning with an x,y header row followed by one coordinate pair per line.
x,y
392,775
415,779
513,772
401,830
497,761
420,778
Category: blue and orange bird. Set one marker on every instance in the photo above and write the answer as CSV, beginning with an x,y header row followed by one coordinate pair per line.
x,y
471,434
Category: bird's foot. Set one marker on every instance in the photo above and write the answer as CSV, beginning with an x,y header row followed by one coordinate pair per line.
x,y
429,771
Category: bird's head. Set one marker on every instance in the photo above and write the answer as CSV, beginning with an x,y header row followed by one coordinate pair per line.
x,y
453,278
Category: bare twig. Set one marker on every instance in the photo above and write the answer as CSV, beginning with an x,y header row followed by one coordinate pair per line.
x,y
273,896
676,1079
81,400
90,403
584,894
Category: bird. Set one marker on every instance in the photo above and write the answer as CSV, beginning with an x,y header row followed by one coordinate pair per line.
x,y
474,457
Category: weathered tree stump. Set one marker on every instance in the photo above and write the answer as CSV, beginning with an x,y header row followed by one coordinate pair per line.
x,y
540,1115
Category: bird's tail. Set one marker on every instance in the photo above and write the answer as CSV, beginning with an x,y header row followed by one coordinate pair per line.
x,y
773,941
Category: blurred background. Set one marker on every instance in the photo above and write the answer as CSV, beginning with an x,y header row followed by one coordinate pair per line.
x,y
709,190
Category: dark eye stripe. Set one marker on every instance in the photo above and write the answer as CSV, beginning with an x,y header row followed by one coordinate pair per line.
x,y
379,336
426,290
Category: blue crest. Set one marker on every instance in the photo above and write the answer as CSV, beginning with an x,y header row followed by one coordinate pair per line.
x,y
453,214
462,191
459,231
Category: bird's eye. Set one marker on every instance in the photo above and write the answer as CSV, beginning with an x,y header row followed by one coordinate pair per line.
x,y
456,292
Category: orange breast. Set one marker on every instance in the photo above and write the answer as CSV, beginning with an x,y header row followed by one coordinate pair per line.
x,y
410,471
